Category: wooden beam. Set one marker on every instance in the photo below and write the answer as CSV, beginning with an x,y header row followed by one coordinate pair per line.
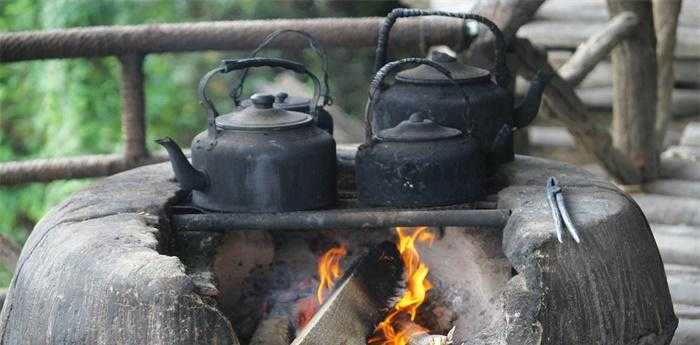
x,y
567,35
665,25
223,35
133,107
509,15
45,170
634,90
560,101
597,47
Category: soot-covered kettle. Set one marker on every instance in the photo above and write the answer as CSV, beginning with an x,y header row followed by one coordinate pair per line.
x,y
282,99
419,162
491,102
260,158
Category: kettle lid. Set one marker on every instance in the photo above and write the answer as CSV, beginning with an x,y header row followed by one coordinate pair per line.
x,y
263,115
284,101
418,128
424,74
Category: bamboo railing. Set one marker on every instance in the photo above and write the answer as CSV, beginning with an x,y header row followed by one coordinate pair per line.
x,y
131,44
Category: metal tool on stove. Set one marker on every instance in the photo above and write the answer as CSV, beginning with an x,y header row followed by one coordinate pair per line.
x,y
559,211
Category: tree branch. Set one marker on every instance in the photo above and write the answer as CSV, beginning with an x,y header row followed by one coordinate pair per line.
x,y
561,102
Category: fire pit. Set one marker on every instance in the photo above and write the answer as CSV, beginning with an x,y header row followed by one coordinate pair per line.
x,y
118,263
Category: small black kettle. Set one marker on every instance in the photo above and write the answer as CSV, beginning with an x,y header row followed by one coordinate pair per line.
x,y
491,102
282,99
259,158
419,162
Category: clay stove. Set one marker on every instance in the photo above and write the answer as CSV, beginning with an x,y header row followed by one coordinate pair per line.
x,y
109,266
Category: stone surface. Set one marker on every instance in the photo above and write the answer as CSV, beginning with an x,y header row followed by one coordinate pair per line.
x,y
96,270
100,269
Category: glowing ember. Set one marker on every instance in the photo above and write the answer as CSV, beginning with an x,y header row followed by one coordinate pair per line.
x,y
329,270
417,285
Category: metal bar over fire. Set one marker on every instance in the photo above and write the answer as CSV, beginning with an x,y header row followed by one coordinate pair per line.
x,y
339,219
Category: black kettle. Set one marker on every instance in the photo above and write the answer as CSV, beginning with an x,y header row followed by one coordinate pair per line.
x,y
259,158
491,102
282,99
419,162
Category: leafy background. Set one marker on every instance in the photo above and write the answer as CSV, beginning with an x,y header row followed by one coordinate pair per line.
x,y
59,108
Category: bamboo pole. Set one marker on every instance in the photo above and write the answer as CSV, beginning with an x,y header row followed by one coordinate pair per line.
x,y
133,107
100,41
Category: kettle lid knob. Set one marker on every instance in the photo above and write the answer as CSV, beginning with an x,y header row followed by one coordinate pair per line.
x,y
262,100
417,117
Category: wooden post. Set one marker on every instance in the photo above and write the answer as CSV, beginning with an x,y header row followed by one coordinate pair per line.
x,y
596,48
560,101
509,15
634,85
133,107
666,14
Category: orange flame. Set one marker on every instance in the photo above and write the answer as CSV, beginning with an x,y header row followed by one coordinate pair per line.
x,y
329,270
417,285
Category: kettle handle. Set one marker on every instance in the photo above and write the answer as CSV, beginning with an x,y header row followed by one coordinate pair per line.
x,y
313,44
500,69
232,65
376,83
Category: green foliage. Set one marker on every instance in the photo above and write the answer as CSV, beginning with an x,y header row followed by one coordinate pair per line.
x,y
5,276
63,108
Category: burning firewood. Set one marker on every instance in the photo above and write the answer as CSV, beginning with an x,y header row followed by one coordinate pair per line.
x,y
419,336
275,329
359,301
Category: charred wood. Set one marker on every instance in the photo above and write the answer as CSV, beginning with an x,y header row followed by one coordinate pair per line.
x,y
360,300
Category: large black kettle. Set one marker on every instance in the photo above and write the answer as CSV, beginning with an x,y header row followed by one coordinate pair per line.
x,y
419,162
423,88
284,100
259,158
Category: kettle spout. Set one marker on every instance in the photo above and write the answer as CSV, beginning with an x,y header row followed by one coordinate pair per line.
x,y
526,111
188,177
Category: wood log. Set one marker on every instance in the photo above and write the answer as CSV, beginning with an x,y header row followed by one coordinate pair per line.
x,y
553,136
634,90
684,286
419,336
680,169
684,311
688,332
275,329
682,188
691,135
508,15
677,244
686,72
561,102
567,35
595,11
665,23
597,47
684,102
687,153
673,210
360,300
